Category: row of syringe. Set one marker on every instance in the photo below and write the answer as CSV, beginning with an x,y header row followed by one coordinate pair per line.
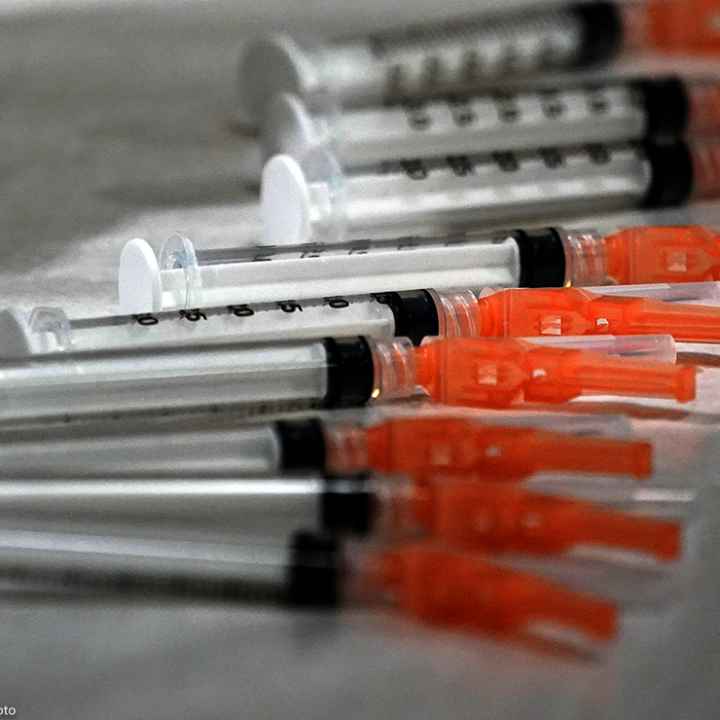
x,y
341,164
139,514
440,523
315,354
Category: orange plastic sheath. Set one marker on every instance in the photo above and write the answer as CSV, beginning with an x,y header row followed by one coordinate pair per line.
x,y
570,311
479,372
422,446
500,518
682,25
663,254
463,591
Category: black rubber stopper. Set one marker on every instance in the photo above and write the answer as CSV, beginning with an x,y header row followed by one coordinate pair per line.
x,y
602,32
350,372
542,258
302,445
414,312
348,506
667,106
315,570
672,175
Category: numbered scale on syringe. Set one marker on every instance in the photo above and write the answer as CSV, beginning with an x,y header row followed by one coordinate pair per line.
x,y
314,200
615,111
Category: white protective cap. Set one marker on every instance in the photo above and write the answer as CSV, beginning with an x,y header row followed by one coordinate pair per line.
x,y
15,335
139,282
272,65
285,202
288,128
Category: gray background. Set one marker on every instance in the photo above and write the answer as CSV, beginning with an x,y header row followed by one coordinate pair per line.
x,y
115,123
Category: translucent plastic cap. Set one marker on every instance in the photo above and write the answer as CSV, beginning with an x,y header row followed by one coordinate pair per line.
x,y
660,348
466,592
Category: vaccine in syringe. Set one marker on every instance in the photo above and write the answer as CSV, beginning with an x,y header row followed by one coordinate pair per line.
x,y
315,201
613,111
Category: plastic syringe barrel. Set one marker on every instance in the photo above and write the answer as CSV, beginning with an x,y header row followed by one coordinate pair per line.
x,y
304,570
314,200
620,110
265,509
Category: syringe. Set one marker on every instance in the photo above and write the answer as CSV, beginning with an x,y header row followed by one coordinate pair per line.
x,y
255,510
185,278
314,201
428,61
415,314
337,372
613,111
419,446
316,570
267,511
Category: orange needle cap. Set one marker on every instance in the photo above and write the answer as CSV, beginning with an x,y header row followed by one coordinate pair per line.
x,y
465,591
482,372
501,518
420,446
569,311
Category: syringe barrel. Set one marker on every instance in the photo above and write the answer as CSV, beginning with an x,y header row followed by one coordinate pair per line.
x,y
285,319
334,372
407,264
104,450
305,569
313,201
265,508
291,275
331,372
431,60
616,111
